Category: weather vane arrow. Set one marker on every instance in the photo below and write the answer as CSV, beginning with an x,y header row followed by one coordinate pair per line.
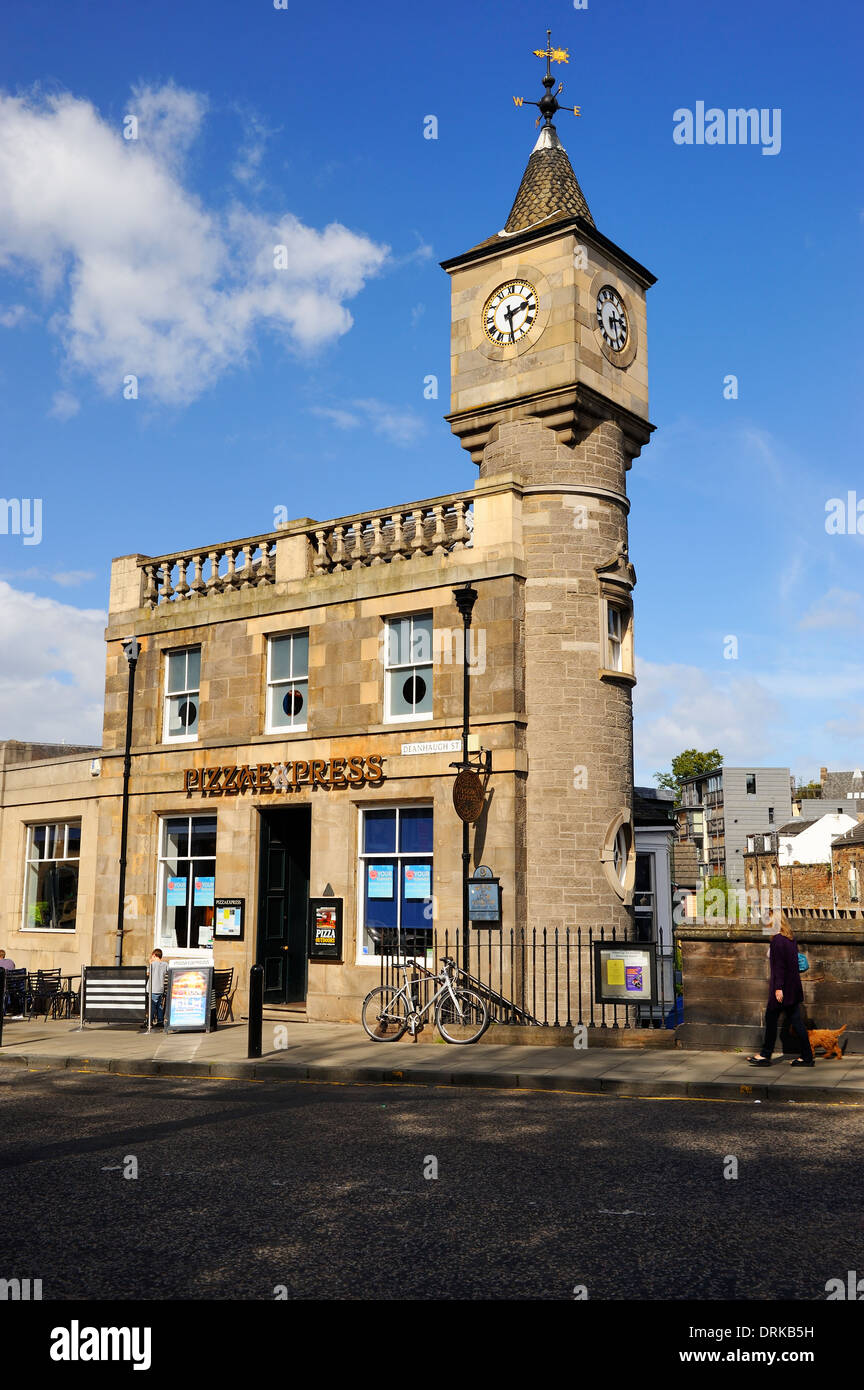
x,y
549,104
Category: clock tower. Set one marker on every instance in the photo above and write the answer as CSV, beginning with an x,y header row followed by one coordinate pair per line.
x,y
550,385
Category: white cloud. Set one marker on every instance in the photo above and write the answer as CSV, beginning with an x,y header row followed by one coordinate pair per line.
x,y
52,665
67,579
678,707
398,426
64,405
843,608
14,316
144,277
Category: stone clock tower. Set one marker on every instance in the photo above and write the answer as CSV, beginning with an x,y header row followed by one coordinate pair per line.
x,y
550,384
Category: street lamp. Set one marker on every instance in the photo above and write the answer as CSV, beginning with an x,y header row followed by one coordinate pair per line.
x,y
131,650
465,601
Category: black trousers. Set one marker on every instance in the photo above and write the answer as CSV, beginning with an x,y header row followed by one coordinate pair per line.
x,y
796,1023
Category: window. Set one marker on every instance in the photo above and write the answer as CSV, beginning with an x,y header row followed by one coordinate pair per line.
x,y
751,783
287,682
616,635
854,890
614,638
396,881
408,671
51,876
187,881
182,684
643,897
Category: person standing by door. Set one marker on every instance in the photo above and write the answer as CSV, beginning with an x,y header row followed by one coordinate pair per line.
x,y
785,995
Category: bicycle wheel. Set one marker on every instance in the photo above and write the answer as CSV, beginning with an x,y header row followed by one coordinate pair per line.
x,y
385,1014
462,1022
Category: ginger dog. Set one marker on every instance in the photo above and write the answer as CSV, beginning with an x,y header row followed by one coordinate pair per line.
x,y
827,1039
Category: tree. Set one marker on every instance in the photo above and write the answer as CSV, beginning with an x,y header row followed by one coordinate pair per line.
x,y
804,790
688,764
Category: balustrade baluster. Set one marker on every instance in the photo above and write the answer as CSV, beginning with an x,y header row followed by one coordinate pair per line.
x,y
182,587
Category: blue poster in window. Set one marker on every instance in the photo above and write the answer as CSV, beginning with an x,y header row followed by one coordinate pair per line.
x,y
418,880
204,891
380,880
177,892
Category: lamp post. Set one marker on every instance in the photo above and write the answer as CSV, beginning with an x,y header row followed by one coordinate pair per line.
x,y
131,650
465,601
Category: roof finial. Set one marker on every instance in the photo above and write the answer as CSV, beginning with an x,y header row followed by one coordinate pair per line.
x,y
549,104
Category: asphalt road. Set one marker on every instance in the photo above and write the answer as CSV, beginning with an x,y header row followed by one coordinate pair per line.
x,y
320,1189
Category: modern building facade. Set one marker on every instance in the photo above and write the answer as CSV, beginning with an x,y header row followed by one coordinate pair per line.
x,y
298,693
718,809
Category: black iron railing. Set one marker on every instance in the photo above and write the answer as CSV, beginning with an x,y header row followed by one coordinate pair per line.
x,y
537,976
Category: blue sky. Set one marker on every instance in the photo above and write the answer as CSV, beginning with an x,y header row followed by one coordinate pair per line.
x,y
310,120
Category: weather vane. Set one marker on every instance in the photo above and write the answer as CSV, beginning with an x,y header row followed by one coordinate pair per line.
x,y
549,104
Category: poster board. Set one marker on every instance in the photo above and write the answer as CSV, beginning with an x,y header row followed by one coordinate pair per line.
x,y
188,998
625,973
229,918
325,929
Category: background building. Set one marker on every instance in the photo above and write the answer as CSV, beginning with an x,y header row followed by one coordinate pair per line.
x,y
717,810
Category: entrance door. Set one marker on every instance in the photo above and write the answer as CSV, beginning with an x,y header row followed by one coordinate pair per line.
x,y
283,903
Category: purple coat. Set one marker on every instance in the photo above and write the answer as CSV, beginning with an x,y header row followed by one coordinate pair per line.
x,y
785,975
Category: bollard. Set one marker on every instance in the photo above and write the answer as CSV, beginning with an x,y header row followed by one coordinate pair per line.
x,y
256,1009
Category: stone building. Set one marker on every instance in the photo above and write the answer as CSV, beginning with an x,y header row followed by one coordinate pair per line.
x,y
298,693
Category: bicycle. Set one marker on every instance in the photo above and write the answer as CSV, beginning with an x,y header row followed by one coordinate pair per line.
x,y
388,1012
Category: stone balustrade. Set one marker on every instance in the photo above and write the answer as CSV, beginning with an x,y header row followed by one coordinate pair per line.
x,y
440,526
380,538
214,570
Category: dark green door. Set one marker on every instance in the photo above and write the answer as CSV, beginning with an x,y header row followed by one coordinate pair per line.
x,y
283,904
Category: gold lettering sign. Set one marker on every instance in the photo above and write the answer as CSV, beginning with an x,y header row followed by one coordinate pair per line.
x,y
267,778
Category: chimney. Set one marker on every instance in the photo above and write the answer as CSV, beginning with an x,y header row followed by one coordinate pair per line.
x,y
823,773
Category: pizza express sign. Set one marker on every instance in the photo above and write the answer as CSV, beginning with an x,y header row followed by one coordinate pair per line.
x,y
265,778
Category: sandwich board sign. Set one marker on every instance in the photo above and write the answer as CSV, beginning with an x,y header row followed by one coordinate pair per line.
x,y
188,998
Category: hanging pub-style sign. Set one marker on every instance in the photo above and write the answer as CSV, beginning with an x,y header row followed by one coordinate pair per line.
x,y
468,798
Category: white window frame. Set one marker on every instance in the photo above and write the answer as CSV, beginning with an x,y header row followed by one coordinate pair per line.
x,y
398,855
407,666
172,695
616,649
293,679
55,859
204,953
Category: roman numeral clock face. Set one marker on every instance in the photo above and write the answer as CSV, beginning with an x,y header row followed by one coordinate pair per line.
x,y
509,312
612,319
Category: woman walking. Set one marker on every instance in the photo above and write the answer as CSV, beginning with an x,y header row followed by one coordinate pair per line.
x,y
785,995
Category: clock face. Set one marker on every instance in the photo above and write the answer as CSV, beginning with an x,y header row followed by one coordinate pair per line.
x,y
509,312
612,318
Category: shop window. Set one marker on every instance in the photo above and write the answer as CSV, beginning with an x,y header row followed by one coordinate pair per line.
x,y
51,876
287,682
187,882
396,877
408,668
182,694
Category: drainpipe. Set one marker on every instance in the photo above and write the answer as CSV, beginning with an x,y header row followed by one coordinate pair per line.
x,y
131,650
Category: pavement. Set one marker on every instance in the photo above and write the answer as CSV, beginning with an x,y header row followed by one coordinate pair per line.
x,y
341,1052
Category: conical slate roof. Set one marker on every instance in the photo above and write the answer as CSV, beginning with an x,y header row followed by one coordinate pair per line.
x,y
548,186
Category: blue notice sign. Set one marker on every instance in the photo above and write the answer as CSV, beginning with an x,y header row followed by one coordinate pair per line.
x,y
177,892
380,880
418,881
